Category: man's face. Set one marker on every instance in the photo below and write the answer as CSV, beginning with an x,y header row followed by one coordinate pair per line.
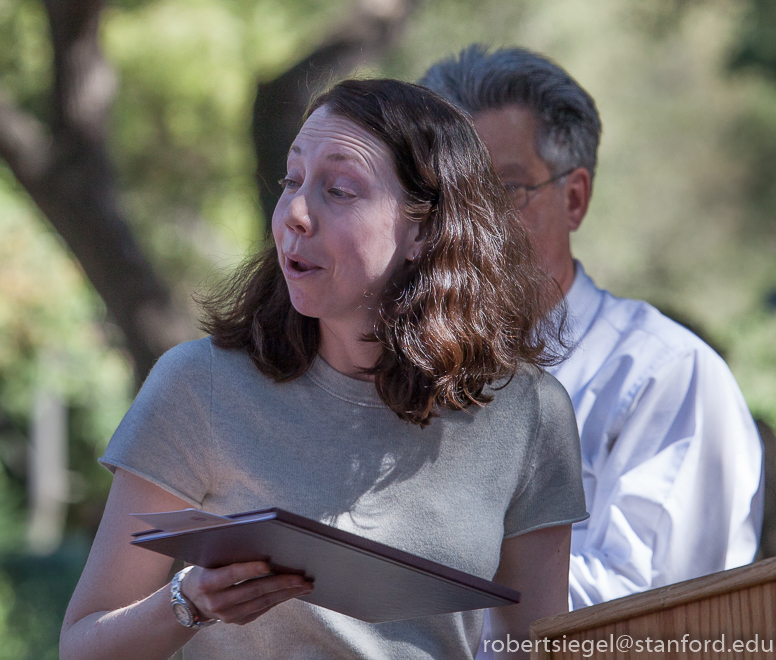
x,y
510,134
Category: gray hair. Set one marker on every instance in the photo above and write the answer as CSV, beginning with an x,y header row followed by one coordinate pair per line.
x,y
570,128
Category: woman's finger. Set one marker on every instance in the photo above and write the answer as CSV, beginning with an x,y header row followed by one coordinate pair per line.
x,y
238,591
248,611
221,601
209,580
252,589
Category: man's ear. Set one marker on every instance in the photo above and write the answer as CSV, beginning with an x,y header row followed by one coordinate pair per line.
x,y
578,188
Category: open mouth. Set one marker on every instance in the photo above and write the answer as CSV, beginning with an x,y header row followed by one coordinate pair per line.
x,y
300,266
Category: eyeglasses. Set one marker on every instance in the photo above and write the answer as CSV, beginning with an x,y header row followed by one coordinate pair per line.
x,y
520,194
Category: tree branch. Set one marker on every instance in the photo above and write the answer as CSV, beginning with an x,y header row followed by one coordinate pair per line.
x,y
24,142
84,83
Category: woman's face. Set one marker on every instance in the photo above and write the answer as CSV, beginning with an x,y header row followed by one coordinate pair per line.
x,y
338,226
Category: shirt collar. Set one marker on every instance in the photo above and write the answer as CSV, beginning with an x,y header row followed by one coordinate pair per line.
x,y
583,301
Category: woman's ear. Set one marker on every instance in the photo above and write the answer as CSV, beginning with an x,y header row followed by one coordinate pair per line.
x,y
415,236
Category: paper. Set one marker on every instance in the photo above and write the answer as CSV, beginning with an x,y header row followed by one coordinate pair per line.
x,y
175,521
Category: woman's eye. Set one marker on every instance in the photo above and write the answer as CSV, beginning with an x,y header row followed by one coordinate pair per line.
x,y
340,193
287,183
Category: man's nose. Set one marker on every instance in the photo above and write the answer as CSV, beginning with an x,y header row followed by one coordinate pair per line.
x,y
297,217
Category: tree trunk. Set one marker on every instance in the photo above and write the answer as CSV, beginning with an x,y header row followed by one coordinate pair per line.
x,y
66,171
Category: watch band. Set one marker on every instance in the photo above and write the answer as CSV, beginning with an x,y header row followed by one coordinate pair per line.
x,y
184,610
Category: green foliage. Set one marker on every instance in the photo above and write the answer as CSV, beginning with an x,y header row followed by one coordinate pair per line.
x,y
756,47
181,132
181,137
34,592
752,140
25,54
14,646
53,334
51,325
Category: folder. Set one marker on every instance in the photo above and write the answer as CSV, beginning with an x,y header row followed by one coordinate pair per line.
x,y
352,575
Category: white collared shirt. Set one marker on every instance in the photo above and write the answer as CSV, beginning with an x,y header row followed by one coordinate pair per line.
x,y
671,458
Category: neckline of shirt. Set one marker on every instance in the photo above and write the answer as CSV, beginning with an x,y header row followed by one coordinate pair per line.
x,y
352,390
583,301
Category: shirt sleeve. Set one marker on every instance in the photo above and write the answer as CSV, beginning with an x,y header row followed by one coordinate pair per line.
x,y
551,492
165,437
680,493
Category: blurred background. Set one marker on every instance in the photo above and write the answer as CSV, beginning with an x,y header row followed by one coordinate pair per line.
x,y
140,142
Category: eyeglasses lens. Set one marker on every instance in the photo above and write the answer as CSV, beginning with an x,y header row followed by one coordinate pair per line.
x,y
519,197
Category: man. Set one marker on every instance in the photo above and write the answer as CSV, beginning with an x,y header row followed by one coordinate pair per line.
x,y
672,461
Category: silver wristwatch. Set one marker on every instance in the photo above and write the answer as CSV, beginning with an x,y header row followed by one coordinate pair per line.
x,y
183,609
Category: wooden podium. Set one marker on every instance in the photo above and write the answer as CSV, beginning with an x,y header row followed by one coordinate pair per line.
x,y
714,616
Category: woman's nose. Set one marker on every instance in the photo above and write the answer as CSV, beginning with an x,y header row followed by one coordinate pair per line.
x,y
297,216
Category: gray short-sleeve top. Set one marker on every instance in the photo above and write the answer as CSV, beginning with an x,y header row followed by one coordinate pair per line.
x,y
208,427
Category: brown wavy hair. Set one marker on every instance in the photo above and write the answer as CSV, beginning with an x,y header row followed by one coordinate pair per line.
x,y
466,313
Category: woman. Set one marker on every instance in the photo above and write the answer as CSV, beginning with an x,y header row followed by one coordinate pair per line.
x,y
375,370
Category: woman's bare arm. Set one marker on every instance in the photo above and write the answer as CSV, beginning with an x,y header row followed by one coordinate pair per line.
x,y
537,565
121,606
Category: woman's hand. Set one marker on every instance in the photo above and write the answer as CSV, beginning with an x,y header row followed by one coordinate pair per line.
x,y
240,593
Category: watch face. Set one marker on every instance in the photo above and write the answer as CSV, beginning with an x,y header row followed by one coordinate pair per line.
x,y
183,614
